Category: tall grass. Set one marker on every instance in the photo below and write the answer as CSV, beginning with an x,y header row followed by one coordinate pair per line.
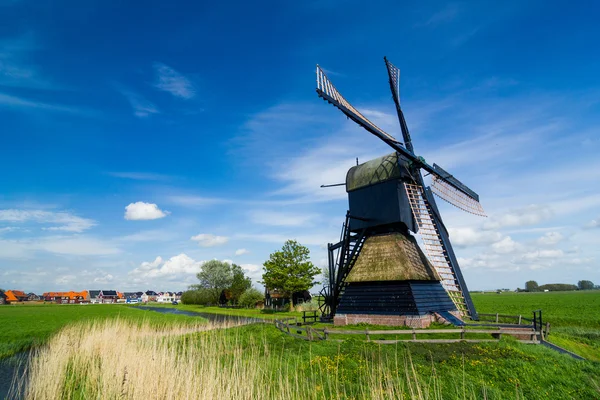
x,y
116,359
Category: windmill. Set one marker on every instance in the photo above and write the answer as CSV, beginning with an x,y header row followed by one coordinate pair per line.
x,y
377,272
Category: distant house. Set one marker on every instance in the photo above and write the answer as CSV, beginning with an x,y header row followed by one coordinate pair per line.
x,y
33,297
108,296
166,297
15,296
149,295
132,297
93,296
71,297
2,297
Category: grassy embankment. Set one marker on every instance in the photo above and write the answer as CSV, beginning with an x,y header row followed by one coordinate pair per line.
x,y
27,325
258,362
574,316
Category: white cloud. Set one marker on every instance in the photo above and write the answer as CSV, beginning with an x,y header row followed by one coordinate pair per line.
x,y
506,245
177,265
143,211
545,254
171,81
550,238
467,236
530,215
66,222
104,278
209,240
240,252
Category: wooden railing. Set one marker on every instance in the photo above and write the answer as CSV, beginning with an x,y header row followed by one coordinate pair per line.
x,y
293,328
518,318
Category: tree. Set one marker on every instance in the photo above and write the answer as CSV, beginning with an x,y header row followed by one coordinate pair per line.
x,y
199,296
585,285
289,270
531,286
216,276
239,284
250,297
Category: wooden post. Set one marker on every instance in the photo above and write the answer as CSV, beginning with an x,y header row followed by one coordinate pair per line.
x,y
325,334
309,333
519,319
497,317
367,333
414,334
462,333
547,328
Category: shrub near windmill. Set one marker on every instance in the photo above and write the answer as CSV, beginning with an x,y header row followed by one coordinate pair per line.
x,y
377,272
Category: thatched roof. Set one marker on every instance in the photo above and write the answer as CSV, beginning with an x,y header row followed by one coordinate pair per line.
x,y
392,257
378,170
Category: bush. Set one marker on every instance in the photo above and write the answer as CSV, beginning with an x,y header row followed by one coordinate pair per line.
x,y
201,297
312,305
250,297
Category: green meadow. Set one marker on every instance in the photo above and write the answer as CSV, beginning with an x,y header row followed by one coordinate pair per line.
x,y
28,325
574,316
258,361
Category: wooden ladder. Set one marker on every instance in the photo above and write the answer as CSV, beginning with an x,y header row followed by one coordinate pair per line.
x,y
434,247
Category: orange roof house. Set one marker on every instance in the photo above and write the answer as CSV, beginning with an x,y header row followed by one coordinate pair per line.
x,y
72,295
14,296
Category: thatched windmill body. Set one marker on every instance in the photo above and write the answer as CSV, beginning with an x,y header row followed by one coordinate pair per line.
x,y
377,272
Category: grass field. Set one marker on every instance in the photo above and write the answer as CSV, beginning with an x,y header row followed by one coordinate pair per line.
x,y
240,312
574,316
258,362
24,326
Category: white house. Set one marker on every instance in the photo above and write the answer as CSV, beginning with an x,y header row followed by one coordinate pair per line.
x,y
166,297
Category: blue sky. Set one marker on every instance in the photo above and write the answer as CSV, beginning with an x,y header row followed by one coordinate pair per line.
x,y
201,119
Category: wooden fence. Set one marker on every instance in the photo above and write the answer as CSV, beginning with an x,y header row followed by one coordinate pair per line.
x,y
293,328
518,318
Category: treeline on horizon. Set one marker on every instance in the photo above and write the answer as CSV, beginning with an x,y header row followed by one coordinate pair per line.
x,y
532,286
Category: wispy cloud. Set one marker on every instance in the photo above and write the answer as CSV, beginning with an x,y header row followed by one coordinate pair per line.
x,y
142,108
209,240
446,14
61,221
140,176
171,81
23,103
279,218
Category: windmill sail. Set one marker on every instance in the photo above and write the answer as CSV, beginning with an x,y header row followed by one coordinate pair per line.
x,y
455,197
327,91
394,75
437,251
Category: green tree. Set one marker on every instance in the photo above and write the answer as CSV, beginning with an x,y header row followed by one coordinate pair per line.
x,y
289,270
250,297
239,284
585,285
215,276
199,296
531,286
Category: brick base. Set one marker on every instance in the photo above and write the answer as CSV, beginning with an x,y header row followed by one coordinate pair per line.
x,y
414,321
